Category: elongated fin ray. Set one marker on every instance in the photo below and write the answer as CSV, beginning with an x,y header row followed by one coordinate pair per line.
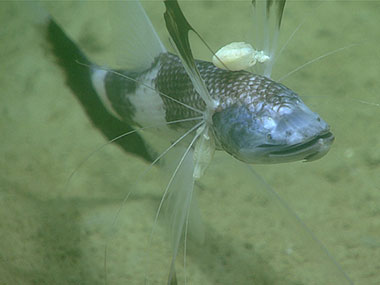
x,y
179,201
180,204
306,238
138,43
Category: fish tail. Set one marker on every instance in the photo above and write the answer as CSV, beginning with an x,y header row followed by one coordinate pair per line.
x,y
78,71
69,56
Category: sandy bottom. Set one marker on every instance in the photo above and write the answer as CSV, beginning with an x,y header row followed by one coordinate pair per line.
x,y
54,232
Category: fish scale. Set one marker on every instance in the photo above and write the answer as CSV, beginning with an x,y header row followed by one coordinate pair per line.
x,y
225,87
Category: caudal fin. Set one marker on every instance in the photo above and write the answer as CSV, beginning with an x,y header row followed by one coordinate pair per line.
x,y
77,71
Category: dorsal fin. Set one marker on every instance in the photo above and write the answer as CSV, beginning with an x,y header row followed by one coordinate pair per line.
x,y
267,23
137,41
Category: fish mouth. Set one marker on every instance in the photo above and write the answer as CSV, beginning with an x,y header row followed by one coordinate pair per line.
x,y
310,150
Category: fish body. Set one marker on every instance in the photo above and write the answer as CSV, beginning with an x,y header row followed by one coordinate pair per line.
x,y
252,117
255,119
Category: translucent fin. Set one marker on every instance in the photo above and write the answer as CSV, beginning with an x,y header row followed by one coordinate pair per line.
x,y
179,203
137,41
267,23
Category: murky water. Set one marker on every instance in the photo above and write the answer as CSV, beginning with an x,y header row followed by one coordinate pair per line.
x,y
55,235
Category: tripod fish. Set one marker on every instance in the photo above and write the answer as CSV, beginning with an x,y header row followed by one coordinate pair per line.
x,y
250,116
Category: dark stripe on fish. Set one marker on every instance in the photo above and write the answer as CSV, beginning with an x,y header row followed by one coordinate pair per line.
x,y
117,89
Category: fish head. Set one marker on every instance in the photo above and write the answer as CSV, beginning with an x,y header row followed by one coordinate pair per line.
x,y
274,126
